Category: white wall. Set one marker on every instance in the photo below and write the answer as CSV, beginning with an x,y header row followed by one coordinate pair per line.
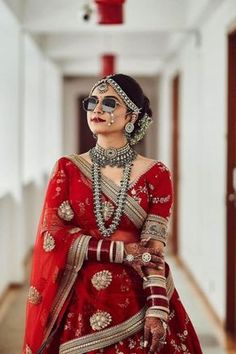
x,y
30,140
9,102
203,118
42,112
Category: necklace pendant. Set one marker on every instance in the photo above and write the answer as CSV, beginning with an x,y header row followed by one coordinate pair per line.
x,y
107,210
111,153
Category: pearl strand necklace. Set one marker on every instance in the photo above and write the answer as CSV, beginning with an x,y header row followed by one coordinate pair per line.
x,y
96,179
120,157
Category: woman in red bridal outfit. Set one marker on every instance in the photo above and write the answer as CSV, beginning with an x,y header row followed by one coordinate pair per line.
x,y
99,281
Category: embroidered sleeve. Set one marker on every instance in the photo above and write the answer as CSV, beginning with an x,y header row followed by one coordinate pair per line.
x,y
160,202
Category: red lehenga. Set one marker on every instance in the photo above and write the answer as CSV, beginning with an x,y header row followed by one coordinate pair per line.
x,y
63,295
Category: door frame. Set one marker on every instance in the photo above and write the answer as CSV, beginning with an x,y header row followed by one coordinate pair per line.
x,y
175,159
230,205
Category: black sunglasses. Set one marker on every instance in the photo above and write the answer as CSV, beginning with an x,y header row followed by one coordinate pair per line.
x,y
108,104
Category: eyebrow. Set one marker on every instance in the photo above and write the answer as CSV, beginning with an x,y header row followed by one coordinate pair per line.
x,y
109,96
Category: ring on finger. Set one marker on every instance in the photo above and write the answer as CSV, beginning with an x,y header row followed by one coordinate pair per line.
x,y
146,257
162,343
129,257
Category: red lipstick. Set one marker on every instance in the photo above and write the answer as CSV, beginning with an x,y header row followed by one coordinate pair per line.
x,y
97,120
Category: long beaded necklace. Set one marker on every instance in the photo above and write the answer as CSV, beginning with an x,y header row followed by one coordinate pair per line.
x,y
122,157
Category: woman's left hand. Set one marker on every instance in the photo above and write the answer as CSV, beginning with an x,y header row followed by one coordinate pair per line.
x,y
154,334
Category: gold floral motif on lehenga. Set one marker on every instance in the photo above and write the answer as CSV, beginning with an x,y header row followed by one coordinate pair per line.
x,y
125,304
183,336
65,211
79,326
131,343
101,280
125,281
136,192
68,324
83,206
48,242
34,296
100,320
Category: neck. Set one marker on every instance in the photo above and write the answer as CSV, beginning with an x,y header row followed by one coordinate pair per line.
x,y
107,141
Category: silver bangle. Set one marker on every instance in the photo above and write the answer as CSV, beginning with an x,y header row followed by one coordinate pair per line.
x,y
111,252
119,256
99,250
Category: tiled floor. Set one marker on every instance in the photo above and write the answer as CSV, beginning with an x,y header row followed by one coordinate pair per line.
x,y
12,318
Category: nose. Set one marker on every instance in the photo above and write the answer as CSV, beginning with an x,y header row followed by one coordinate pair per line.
x,y
98,107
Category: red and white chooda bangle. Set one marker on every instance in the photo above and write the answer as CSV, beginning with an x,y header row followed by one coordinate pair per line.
x,y
156,295
105,251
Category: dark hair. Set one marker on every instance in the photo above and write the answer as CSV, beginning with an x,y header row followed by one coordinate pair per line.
x,y
134,91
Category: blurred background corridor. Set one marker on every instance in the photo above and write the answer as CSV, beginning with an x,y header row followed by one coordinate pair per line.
x,y
183,53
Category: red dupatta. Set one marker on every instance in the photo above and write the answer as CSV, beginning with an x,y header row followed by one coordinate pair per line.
x,y
56,261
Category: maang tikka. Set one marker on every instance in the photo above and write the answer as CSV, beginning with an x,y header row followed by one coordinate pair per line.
x,y
103,87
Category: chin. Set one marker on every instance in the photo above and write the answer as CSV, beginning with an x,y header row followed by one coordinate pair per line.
x,y
101,130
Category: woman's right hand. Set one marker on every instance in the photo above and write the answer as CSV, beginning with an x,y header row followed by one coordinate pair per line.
x,y
138,255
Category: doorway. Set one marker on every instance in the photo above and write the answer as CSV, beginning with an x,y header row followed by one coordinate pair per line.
x,y
175,159
231,190
85,137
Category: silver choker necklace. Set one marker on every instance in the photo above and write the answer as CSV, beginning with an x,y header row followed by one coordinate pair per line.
x,y
122,157
112,156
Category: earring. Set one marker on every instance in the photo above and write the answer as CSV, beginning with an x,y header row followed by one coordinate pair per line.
x,y
95,136
129,127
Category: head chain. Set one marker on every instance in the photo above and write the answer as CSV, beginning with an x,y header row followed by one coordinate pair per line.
x,y
143,123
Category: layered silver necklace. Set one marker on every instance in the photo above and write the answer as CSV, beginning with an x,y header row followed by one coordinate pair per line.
x,y
121,157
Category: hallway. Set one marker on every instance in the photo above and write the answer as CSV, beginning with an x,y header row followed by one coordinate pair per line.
x,y
211,337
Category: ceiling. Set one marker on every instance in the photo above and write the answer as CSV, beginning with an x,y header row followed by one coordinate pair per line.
x,y
152,31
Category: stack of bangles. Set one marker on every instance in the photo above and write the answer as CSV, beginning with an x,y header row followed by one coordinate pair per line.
x,y
105,251
157,300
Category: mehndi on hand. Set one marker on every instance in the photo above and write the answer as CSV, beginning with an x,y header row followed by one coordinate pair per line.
x,y
154,334
138,255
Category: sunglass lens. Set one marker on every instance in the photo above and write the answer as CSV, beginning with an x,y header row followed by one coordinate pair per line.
x,y
108,104
89,103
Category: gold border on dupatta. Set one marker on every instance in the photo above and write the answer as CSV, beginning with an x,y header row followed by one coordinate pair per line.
x,y
74,263
106,337
132,209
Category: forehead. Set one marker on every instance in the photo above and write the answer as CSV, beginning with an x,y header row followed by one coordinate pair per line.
x,y
109,92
